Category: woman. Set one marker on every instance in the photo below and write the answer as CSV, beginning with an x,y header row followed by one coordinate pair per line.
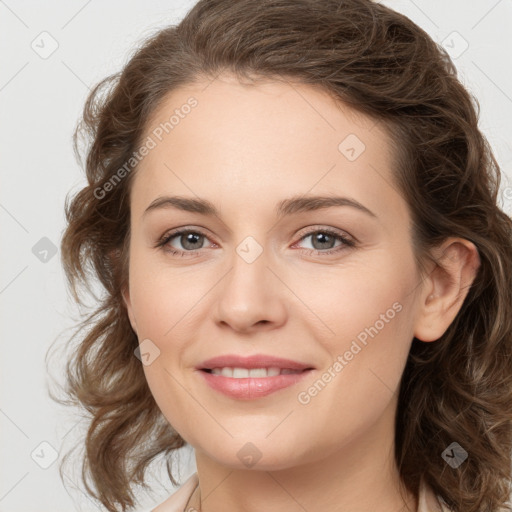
x,y
308,279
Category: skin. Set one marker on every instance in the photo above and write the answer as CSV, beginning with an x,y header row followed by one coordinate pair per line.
x,y
245,148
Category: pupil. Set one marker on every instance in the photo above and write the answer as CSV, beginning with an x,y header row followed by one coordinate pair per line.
x,y
189,239
320,236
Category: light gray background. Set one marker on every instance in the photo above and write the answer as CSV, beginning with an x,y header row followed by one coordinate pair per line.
x,y
40,101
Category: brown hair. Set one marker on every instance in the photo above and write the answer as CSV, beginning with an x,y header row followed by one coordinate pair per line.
x,y
377,61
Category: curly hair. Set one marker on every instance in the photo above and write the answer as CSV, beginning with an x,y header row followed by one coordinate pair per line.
x,y
381,64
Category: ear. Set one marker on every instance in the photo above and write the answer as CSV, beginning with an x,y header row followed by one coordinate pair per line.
x,y
129,309
114,256
446,287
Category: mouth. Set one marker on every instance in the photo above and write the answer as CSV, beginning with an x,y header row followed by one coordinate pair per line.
x,y
245,373
251,377
252,383
255,366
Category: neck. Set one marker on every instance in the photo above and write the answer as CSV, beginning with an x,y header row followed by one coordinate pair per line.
x,y
359,476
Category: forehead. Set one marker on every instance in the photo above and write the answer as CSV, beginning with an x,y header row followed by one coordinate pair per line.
x,y
227,111
225,139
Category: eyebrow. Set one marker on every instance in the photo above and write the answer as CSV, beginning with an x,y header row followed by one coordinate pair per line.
x,y
290,206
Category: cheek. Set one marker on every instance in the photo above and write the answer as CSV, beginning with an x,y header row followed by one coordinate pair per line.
x,y
360,381
364,298
162,297
171,397
370,316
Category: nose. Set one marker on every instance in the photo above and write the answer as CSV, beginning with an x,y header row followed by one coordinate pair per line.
x,y
251,296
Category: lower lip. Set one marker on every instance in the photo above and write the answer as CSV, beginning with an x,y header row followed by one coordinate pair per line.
x,y
252,387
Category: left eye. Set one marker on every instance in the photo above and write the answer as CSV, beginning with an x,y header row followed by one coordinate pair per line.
x,y
326,237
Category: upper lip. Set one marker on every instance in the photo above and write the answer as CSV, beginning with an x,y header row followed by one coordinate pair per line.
x,y
254,361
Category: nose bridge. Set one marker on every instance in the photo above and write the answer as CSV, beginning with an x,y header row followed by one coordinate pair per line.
x,y
248,293
248,280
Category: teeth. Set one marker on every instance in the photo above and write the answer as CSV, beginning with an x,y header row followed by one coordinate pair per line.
x,y
244,373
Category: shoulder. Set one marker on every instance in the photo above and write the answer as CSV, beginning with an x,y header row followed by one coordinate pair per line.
x,y
428,501
178,499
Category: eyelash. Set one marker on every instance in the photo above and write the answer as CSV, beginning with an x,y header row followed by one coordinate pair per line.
x,y
166,238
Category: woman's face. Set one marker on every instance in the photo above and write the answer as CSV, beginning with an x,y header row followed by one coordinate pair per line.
x,y
267,274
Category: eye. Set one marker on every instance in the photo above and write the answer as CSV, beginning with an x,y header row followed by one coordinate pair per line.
x,y
323,240
191,241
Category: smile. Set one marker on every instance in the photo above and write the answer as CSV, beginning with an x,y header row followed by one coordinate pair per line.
x,y
250,384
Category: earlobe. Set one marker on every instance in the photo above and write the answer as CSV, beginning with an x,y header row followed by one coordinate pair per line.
x,y
446,287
